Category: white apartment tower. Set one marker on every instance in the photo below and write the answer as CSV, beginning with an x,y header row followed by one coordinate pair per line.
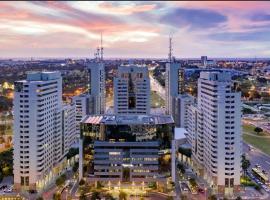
x,y
69,136
216,135
40,132
132,90
97,86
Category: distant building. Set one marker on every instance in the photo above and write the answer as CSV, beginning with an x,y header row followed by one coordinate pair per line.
x,y
69,127
174,85
132,90
204,61
126,148
43,130
92,102
84,105
214,130
182,102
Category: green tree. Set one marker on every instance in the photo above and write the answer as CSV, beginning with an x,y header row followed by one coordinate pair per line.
x,y
82,182
75,167
185,151
99,185
257,187
245,165
95,195
122,195
60,180
82,196
193,182
258,130
72,152
57,196
181,167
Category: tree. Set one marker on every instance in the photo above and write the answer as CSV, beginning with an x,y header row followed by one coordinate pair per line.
x,y
95,195
193,182
257,187
258,130
57,196
72,152
122,195
185,151
82,196
75,167
82,182
60,180
99,185
181,167
245,165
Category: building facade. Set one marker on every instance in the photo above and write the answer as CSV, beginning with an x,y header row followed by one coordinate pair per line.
x,y
174,84
132,90
96,71
41,135
182,102
126,148
69,136
216,131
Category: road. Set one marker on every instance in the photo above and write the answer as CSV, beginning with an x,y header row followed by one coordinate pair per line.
x,y
257,157
157,87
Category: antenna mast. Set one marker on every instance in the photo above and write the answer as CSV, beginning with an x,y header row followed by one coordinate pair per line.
x,y
101,47
170,49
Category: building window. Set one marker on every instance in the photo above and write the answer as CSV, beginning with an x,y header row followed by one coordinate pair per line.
x,y
231,182
22,180
226,182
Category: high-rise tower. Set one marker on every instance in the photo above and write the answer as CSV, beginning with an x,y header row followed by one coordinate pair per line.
x,y
215,131
43,129
132,90
174,82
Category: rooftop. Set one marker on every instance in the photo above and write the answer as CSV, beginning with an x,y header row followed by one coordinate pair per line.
x,y
128,119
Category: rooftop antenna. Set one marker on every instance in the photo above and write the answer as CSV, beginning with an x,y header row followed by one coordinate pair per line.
x,y
98,54
101,48
170,49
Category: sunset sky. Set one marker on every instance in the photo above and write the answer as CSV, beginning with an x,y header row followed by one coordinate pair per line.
x,y
135,29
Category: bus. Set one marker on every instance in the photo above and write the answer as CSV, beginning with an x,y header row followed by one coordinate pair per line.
x,y
260,175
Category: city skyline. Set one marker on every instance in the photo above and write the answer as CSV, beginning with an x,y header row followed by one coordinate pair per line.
x,y
134,29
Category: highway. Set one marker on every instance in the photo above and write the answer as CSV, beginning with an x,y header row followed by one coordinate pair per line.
x,y
154,84
255,156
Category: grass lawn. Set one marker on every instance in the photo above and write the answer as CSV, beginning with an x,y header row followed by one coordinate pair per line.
x,y
156,100
250,129
262,143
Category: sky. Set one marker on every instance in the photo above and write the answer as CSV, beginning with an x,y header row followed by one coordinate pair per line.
x,y
135,29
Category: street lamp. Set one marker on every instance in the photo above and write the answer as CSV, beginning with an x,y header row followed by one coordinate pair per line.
x,y
66,190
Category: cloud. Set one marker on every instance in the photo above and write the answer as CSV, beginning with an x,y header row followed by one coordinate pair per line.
x,y
261,17
259,36
193,18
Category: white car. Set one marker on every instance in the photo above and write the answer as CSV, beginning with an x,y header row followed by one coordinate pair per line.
x,y
8,190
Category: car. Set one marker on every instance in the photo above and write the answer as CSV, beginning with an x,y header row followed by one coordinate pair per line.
x,y
8,190
200,190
